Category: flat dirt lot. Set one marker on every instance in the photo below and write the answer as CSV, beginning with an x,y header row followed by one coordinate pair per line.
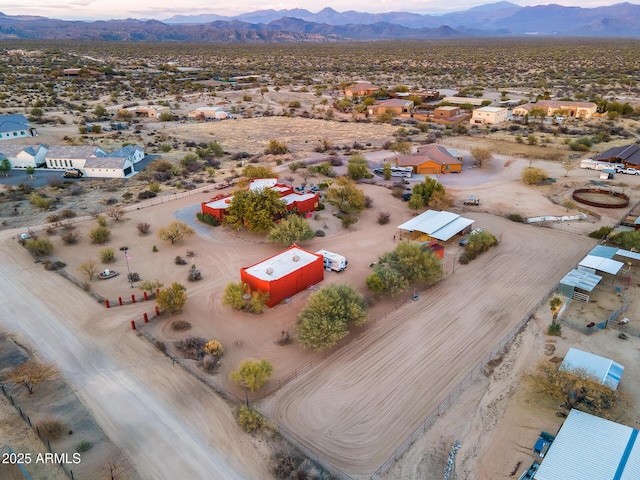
x,y
357,406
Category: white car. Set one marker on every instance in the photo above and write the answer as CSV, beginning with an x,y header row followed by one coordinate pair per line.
x,y
629,171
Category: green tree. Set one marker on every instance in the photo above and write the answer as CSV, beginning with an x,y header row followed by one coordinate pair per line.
x,y
36,113
422,193
291,230
30,171
357,167
346,196
386,171
258,171
539,112
386,281
626,240
5,166
413,261
172,298
329,313
175,231
254,209
234,295
252,375
554,305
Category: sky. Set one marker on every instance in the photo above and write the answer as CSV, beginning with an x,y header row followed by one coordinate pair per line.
x,y
162,9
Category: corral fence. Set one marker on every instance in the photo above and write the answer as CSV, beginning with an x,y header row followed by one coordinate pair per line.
x,y
36,429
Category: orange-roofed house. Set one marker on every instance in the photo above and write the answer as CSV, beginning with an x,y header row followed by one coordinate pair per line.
x,y
431,159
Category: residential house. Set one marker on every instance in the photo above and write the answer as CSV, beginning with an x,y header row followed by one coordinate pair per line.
x,y
627,154
150,111
23,156
423,95
108,167
133,153
204,113
431,159
61,157
360,90
395,106
560,108
489,115
476,102
15,126
447,114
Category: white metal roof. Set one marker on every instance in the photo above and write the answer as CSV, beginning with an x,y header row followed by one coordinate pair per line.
x,y
589,447
606,371
282,264
221,203
440,225
603,264
628,253
260,183
297,197
582,279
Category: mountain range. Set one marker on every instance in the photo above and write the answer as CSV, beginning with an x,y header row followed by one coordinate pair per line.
x,y
501,19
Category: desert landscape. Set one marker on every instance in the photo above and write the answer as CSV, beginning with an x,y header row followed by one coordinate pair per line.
x,y
395,395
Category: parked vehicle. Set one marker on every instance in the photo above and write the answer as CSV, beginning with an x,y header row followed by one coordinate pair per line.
x,y
401,171
472,200
628,171
72,173
590,164
333,261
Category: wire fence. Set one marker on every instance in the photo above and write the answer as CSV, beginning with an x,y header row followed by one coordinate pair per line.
x,y
36,429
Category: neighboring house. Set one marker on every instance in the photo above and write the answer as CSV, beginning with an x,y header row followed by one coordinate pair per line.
x,y
23,156
60,157
284,274
447,112
476,102
151,111
132,153
108,167
559,107
423,95
203,113
395,106
627,154
360,90
15,126
489,115
95,162
431,159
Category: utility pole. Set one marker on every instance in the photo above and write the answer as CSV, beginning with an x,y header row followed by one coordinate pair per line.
x,y
127,258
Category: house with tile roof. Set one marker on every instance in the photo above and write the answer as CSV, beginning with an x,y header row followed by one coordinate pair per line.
x,y
559,107
360,89
431,159
15,126
395,106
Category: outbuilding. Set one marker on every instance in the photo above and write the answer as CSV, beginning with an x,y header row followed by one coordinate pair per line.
x,y
434,224
489,115
23,156
284,274
604,370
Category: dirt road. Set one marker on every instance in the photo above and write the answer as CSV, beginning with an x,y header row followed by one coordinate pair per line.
x,y
359,406
169,424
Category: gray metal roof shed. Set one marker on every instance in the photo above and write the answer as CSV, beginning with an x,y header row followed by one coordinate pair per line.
x,y
439,225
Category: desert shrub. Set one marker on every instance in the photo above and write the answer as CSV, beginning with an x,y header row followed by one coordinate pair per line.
x,y
320,233
154,249
51,230
601,232
41,203
478,242
180,261
143,228
276,148
40,246
53,218
107,255
383,218
533,175
146,194
249,419
133,277
207,218
213,347
161,346
180,325
192,347
100,235
66,213
515,217
210,363
194,275
554,329
102,221
84,446
50,429
154,187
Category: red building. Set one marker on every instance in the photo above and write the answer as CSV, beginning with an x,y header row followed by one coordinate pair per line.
x,y
284,274
300,202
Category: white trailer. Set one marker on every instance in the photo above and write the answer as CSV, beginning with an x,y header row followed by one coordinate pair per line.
x,y
333,261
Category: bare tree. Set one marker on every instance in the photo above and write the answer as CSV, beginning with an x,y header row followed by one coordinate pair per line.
x,y
89,268
115,465
482,156
115,212
31,373
568,165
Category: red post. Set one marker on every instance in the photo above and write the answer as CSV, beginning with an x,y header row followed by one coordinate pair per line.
x,y
106,302
146,317
133,298
157,311
157,291
120,300
133,324
145,295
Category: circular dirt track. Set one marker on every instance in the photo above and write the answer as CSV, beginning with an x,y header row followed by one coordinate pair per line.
x,y
359,406
600,197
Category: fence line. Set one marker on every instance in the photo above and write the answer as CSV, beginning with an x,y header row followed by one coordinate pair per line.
x,y
45,442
